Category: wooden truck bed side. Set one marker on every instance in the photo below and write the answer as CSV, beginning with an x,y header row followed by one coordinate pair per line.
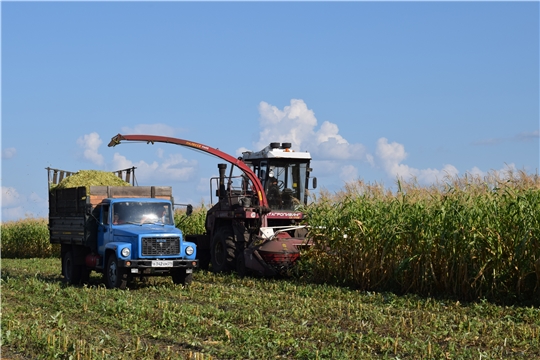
x,y
98,193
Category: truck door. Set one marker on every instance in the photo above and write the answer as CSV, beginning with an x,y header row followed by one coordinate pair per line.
x,y
104,229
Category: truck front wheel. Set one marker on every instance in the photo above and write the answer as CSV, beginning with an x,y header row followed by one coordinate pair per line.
x,y
115,276
182,277
72,272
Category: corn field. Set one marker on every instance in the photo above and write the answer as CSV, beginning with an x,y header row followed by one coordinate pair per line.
x,y
470,238
27,238
192,224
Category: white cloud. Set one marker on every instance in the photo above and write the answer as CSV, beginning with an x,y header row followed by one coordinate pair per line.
x,y
149,129
348,173
176,167
121,162
430,176
160,153
16,206
173,168
370,159
509,167
529,135
12,214
476,172
392,154
326,167
9,153
329,131
36,198
297,124
10,197
505,173
239,151
91,143
203,185
524,136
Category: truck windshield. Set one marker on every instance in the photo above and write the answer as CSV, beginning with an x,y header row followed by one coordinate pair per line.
x,y
136,212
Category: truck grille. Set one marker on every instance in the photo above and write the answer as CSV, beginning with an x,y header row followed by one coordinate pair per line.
x,y
160,246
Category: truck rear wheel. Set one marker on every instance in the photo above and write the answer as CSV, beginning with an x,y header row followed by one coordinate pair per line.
x,y
223,251
182,277
72,272
115,276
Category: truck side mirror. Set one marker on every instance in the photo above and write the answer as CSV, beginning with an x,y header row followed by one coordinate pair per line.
x,y
189,210
314,182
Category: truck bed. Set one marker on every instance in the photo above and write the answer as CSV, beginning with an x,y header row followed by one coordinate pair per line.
x,y
74,201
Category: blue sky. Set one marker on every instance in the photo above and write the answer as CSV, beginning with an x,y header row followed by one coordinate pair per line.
x,y
374,90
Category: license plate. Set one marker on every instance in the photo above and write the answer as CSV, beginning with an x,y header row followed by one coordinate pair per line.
x,y
162,263
189,271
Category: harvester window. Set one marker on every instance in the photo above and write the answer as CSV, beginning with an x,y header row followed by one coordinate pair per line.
x,y
291,179
274,194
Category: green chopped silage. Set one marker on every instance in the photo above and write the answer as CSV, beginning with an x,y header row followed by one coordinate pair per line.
x,y
89,178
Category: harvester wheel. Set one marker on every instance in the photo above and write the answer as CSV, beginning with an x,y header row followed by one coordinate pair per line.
x,y
241,265
223,251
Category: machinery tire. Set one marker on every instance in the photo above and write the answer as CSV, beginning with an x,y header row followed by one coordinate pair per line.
x,y
204,258
223,251
72,272
231,251
85,274
115,277
241,265
180,277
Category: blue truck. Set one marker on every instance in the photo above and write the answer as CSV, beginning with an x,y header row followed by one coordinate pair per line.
x,y
123,232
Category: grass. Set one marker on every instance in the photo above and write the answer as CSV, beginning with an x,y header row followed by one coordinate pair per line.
x,y
227,317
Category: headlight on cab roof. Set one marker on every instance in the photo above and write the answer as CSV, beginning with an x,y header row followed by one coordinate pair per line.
x,y
125,252
189,250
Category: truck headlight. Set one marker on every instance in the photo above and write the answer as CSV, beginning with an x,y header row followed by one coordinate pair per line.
x,y
125,252
189,250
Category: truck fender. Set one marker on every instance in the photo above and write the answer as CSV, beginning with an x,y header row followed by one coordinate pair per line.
x,y
117,248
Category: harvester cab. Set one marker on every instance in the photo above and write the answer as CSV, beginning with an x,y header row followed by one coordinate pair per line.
x,y
284,175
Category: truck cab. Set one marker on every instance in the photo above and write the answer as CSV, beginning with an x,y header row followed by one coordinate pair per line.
x,y
139,235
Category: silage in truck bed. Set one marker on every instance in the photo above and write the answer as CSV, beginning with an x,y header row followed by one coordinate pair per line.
x,y
89,178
